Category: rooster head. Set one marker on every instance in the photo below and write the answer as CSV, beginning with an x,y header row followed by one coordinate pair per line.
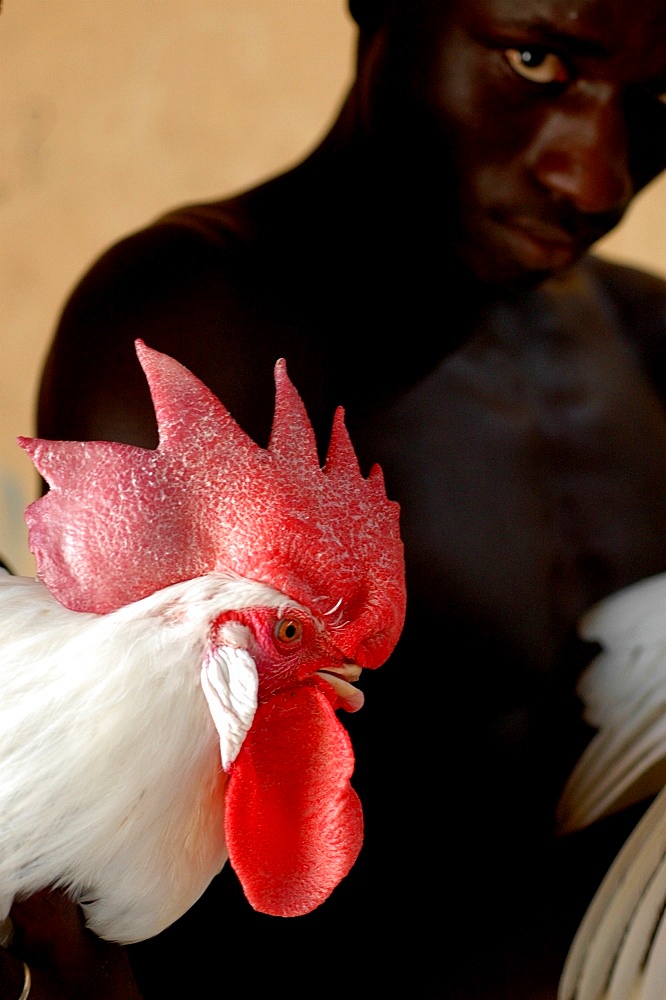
x,y
121,522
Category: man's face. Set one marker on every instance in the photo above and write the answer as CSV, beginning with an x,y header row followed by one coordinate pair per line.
x,y
527,126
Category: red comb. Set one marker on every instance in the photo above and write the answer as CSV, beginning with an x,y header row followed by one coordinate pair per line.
x,y
121,522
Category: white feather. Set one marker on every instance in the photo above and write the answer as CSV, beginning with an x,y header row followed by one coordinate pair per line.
x,y
614,937
624,694
229,682
111,780
619,952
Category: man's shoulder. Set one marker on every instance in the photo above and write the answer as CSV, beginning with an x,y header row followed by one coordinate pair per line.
x,y
638,296
215,224
183,268
198,230
635,303
193,283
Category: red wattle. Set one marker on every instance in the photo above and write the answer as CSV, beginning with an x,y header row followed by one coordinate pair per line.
x,y
293,823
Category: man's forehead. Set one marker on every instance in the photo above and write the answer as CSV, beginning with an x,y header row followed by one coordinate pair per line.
x,y
598,17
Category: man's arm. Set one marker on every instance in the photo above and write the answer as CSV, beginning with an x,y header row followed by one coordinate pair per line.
x,y
65,961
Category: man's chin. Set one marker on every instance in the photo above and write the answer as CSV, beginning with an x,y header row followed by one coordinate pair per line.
x,y
503,274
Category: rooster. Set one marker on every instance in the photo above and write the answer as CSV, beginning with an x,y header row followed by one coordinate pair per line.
x,y
619,952
169,683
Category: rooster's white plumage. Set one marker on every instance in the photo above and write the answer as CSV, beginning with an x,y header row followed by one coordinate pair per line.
x,y
168,686
619,952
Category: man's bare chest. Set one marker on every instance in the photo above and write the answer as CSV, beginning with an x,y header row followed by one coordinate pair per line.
x,y
530,482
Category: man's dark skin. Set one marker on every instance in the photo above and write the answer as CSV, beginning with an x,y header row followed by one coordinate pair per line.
x,y
426,268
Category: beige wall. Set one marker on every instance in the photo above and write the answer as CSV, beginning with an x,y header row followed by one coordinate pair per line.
x,y
113,110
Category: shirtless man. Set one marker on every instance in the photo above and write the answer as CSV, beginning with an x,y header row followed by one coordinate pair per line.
x,y
427,268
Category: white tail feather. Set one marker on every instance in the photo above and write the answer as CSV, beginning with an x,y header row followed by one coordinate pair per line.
x,y
619,952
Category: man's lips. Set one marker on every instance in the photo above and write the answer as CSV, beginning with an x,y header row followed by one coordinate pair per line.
x,y
541,246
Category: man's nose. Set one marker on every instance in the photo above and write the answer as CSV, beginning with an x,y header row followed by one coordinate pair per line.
x,y
581,152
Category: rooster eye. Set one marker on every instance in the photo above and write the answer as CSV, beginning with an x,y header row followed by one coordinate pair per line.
x,y
288,631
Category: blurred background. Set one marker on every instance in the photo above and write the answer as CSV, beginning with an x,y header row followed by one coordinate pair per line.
x,y
114,111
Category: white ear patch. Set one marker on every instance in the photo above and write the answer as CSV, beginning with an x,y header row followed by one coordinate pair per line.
x,y
230,684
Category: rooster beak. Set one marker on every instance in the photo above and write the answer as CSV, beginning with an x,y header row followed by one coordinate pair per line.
x,y
341,680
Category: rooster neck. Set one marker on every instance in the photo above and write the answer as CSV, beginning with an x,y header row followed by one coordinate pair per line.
x,y
130,791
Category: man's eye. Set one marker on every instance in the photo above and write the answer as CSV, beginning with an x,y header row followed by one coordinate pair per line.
x,y
537,65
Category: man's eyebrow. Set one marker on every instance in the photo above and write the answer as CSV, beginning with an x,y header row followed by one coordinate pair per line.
x,y
549,35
